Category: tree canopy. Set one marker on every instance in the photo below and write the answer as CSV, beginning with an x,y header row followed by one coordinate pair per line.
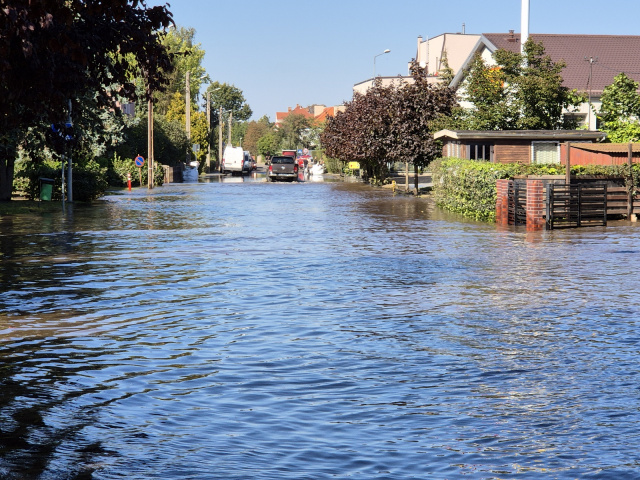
x,y
619,114
389,123
52,52
520,92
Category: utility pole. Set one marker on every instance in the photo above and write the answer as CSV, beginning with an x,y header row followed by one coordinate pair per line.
x,y
150,161
209,131
188,115
591,61
230,119
220,127
69,170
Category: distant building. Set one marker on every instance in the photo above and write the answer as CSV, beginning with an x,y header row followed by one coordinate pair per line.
x,y
592,61
316,112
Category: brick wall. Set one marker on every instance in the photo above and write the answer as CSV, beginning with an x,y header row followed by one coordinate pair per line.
x,y
535,205
502,202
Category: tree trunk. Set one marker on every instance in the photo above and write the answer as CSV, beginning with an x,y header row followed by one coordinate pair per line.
x,y
406,176
6,178
416,171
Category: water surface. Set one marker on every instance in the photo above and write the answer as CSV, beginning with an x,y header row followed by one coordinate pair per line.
x,y
245,330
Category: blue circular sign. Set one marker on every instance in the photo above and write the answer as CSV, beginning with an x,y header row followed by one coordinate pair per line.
x,y
139,161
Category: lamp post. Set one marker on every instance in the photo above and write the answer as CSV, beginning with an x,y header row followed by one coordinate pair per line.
x,y
374,61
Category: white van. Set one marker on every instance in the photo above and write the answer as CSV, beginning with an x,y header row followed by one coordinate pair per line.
x,y
234,160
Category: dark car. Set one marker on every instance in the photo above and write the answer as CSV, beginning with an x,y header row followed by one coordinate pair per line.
x,y
282,168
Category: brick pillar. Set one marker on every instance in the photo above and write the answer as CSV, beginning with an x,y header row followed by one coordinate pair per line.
x,y
502,202
535,205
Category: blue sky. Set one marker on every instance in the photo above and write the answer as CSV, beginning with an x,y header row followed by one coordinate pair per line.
x,y
286,52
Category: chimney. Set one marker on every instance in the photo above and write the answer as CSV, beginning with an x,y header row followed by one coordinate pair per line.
x,y
524,24
463,28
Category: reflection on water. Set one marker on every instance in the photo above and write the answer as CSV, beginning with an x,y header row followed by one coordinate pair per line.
x,y
233,330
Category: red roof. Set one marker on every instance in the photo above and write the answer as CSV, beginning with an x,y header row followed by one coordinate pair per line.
x,y
615,54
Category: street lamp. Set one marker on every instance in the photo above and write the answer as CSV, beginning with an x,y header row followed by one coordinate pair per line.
x,y
374,61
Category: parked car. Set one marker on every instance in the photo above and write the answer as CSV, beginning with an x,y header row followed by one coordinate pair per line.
x,y
234,161
282,167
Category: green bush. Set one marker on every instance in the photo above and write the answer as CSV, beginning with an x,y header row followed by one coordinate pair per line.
x,y
89,179
468,187
119,168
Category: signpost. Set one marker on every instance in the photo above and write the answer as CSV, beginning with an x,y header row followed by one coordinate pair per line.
x,y
139,163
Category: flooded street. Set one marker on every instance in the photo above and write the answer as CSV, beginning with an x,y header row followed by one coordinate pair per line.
x,y
250,330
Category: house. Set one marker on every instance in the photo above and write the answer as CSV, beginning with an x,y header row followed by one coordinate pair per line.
x,y
592,62
317,113
511,146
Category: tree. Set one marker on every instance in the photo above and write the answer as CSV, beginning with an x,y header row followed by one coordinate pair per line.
x,y
521,92
54,51
255,131
389,123
267,145
619,114
186,56
231,99
291,131
415,107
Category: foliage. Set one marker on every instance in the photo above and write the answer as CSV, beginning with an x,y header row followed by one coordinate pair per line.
x,y
169,141
267,145
120,167
255,131
186,56
389,123
53,51
230,99
333,165
520,92
446,72
89,179
619,114
292,131
468,187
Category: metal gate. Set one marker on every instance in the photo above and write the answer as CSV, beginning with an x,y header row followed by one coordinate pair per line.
x,y
517,206
571,206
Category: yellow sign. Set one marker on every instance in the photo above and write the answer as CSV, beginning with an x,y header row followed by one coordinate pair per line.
x,y
354,166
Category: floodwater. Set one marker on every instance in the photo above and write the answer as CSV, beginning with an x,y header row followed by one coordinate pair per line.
x,y
318,330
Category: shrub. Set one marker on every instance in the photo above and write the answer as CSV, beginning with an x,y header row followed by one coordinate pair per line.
x,y
468,187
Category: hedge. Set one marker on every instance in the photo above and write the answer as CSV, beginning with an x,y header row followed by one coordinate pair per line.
x,y
468,187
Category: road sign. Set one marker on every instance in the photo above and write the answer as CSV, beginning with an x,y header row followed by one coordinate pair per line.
x,y
139,161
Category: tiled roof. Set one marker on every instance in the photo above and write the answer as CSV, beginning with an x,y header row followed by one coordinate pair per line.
x,y
615,54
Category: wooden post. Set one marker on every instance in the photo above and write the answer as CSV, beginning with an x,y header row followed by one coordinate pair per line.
x,y
568,166
630,186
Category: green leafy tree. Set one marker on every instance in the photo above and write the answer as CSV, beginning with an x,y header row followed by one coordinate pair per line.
x,y
521,92
292,131
53,51
267,145
619,114
445,72
231,99
186,56
255,131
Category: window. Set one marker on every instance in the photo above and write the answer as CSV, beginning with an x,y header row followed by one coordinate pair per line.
x,y
545,152
453,149
480,151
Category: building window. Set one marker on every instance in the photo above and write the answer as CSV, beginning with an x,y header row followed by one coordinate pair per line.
x,y
453,149
545,153
480,151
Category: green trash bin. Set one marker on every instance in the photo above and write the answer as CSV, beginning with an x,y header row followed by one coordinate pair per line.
x,y
46,188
